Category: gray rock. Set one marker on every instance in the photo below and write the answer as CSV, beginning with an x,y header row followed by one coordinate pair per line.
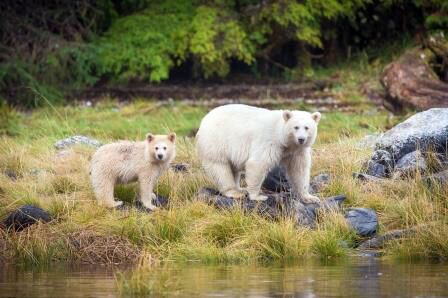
x,y
369,141
75,140
411,162
276,206
379,241
318,182
440,178
24,217
363,220
366,177
180,167
425,130
381,164
276,181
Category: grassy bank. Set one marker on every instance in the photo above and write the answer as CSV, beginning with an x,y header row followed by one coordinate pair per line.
x,y
33,172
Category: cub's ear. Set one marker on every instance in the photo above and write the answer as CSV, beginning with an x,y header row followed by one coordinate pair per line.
x,y
287,115
149,137
316,116
172,137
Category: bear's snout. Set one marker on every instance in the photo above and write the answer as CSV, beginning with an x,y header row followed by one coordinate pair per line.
x,y
160,156
301,140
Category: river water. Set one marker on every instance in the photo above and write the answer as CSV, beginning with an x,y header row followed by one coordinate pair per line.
x,y
368,277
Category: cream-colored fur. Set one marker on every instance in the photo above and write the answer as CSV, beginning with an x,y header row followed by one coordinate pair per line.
x,y
125,162
235,138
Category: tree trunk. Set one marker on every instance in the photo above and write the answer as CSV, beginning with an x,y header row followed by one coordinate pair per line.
x,y
410,82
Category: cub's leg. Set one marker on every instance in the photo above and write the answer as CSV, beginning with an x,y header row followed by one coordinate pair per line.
x,y
223,176
298,169
237,177
255,174
104,190
146,191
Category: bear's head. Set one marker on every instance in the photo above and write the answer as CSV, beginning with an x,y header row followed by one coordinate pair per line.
x,y
161,148
301,127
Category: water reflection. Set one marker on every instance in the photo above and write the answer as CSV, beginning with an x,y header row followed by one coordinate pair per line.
x,y
354,278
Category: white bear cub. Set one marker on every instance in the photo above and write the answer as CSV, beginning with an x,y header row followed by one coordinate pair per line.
x,y
125,162
236,138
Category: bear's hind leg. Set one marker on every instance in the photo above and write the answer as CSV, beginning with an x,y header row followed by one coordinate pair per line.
x,y
255,174
223,176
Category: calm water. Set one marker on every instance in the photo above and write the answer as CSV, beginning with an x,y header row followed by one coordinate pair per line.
x,y
355,278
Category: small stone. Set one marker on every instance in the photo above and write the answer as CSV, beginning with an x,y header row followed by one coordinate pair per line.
x,y
75,140
376,169
24,217
318,182
366,177
363,220
440,178
180,167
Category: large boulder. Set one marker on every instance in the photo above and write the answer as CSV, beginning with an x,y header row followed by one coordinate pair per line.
x,y
363,220
425,131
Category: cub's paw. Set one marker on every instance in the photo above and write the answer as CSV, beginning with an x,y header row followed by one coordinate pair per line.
x,y
258,198
310,199
153,197
236,194
113,204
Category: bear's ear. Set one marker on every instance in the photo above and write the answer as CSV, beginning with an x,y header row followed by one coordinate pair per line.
x,y
287,115
316,116
172,137
149,137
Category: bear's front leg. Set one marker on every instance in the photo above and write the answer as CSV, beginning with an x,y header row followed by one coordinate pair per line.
x,y
255,174
298,168
146,192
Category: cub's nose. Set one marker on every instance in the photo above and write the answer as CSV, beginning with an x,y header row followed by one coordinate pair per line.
x,y
301,140
160,156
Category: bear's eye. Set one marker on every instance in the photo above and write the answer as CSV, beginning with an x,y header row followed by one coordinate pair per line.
x,y
164,148
157,148
296,127
306,128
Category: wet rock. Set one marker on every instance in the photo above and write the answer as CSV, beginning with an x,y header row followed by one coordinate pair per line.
x,y
180,167
276,180
426,130
379,241
381,164
276,206
363,220
319,182
24,217
411,162
75,140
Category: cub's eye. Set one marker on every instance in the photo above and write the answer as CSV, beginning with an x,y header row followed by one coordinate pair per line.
x,y
157,148
296,127
306,128
164,148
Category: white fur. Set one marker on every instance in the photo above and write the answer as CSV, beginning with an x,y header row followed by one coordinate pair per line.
x,y
125,162
236,138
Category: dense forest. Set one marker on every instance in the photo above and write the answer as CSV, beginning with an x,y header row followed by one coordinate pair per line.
x,y
51,48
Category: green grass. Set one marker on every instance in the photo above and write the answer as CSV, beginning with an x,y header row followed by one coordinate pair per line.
x,y
32,171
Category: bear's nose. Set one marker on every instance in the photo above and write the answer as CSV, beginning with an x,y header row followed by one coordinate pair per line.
x,y
159,156
301,140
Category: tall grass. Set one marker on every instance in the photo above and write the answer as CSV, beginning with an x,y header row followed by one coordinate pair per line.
x,y
33,172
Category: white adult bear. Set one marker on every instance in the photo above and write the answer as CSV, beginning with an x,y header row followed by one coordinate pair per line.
x,y
235,138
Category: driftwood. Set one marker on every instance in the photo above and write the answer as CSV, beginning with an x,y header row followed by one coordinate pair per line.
x,y
411,82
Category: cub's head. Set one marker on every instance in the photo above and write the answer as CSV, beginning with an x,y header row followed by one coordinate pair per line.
x,y
161,147
301,127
